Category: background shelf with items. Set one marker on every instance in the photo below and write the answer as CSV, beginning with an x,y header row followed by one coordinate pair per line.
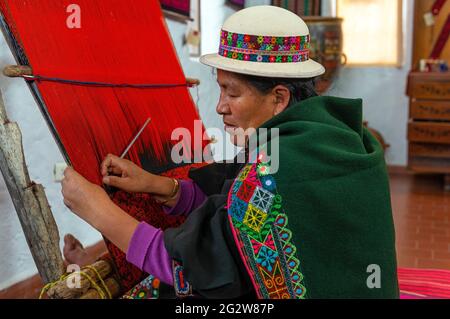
x,y
429,91
326,38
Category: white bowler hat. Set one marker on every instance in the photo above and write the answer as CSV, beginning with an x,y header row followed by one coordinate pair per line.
x,y
265,41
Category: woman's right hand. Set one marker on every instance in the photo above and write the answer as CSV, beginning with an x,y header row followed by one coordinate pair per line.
x,y
127,176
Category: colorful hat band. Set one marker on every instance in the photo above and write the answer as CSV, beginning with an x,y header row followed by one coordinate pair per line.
x,y
268,49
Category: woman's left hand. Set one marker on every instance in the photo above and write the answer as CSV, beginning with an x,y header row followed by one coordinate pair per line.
x,y
85,199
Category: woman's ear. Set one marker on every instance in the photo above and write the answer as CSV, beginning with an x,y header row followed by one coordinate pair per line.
x,y
282,97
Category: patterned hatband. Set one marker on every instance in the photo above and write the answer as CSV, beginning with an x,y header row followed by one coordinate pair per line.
x,y
268,49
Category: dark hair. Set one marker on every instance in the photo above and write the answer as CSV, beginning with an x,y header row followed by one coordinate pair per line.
x,y
301,89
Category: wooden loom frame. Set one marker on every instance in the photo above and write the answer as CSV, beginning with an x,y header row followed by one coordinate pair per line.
x,y
29,199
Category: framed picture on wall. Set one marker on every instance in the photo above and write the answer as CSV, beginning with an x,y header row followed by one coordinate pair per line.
x,y
182,7
188,12
300,7
237,3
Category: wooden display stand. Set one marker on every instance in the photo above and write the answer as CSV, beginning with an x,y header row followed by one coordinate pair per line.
x,y
429,123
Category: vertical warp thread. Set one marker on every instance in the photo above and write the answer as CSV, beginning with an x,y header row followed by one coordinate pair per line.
x,y
118,42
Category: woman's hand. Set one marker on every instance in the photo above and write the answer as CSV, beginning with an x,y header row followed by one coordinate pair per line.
x,y
126,175
91,203
85,199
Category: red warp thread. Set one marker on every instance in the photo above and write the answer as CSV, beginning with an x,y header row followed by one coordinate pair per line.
x,y
118,42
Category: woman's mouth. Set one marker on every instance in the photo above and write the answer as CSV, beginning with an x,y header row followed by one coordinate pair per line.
x,y
228,126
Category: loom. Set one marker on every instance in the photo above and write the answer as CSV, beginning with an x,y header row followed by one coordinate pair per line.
x,y
95,86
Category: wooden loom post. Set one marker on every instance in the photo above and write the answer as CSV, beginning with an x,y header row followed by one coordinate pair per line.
x,y
30,202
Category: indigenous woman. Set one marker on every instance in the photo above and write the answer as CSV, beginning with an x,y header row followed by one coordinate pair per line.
x,y
318,224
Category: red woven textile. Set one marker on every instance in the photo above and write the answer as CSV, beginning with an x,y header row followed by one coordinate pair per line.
x,y
424,283
118,42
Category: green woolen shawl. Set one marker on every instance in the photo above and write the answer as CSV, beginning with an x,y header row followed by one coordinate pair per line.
x,y
333,181
334,184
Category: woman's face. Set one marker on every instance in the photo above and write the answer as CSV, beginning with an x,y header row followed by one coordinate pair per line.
x,y
242,106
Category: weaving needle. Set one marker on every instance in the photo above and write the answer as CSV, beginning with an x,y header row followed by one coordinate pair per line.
x,y
121,156
135,138
110,189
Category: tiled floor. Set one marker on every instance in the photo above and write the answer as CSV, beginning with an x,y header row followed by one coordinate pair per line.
x,y
422,220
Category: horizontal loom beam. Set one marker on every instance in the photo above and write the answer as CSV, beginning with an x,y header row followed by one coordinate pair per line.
x,y
15,71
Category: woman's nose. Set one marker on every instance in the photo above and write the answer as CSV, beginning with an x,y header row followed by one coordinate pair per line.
x,y
222,107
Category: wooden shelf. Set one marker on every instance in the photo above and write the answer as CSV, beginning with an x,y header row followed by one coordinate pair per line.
x,y
429,122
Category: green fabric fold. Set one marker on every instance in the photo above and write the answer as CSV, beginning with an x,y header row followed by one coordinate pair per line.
x,y
334,183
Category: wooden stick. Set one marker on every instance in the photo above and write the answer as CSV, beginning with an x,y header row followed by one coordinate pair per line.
x,y
62,291
192,82
30,202
15,71
112,285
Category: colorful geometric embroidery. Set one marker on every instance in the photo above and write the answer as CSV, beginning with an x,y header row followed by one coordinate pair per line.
x,y
268,183
182,288
238,209
236,186
266,49
262,234
254,218
244,173
263,169
147,289
267,258
262,199
246,191
252,177
256,246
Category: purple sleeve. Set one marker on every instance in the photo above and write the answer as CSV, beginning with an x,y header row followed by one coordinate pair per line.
x,y
146,249
147,252
191,197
